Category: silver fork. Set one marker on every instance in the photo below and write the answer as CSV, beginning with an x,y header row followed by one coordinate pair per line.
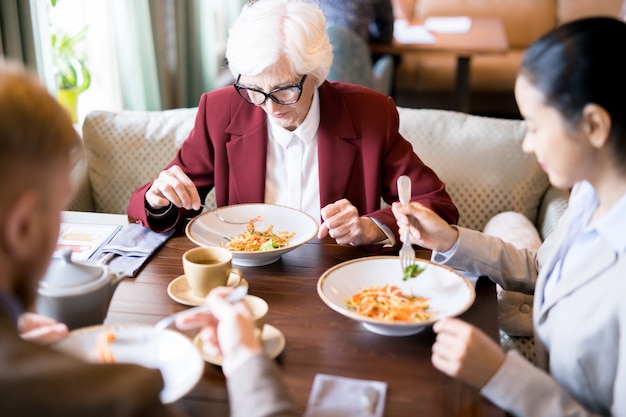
x,y
407,254
219,216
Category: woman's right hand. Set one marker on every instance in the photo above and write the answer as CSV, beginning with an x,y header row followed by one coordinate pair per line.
x,y
173,186
426,228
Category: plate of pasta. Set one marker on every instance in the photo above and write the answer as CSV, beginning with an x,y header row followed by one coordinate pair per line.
x,y
373,291
171,352
256,234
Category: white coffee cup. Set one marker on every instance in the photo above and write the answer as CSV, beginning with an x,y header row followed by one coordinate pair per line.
x,y
258,307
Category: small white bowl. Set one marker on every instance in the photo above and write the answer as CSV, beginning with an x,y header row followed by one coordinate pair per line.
x,y
449,292
208,230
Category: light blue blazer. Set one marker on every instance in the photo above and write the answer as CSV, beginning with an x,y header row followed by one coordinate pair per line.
x,y
580,330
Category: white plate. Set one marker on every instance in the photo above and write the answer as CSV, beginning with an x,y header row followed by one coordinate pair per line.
x,y
180,291
273,344
172,353
449,292
208,230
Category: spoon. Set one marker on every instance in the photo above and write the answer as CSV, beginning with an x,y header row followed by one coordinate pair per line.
x,y
236,295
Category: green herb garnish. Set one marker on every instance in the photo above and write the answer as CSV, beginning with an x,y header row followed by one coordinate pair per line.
x,y
412,271
269,245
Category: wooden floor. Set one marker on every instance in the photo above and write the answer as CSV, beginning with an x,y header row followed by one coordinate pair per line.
x,y
483,104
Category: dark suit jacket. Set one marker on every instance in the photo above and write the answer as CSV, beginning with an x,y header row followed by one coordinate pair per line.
x,y
39,381
361,154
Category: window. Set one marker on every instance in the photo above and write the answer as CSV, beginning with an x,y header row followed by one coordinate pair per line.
x,y
138,52
70,17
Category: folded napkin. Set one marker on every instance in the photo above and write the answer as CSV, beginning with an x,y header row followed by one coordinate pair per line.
x,y
131,247
407,33
335,396
448,24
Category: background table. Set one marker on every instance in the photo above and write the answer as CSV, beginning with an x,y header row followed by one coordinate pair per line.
x,y
486,36
318,340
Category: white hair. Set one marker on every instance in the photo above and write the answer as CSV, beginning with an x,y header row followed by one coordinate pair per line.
x,y
267,30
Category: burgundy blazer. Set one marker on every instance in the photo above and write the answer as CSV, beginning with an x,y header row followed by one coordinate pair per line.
x,y
361,155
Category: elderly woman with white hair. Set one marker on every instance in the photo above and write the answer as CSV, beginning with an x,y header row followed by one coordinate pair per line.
x,y
284,135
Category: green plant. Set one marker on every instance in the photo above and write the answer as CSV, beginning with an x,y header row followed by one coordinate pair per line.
x,y
71,72
70,65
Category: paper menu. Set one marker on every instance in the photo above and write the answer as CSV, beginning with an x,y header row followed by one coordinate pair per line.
x,y
84,239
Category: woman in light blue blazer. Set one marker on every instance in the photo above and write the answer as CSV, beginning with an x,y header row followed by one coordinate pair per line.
x,y
571,90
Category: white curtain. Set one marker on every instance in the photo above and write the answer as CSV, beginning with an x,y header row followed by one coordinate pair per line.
x,y
136,57
144,54
171,51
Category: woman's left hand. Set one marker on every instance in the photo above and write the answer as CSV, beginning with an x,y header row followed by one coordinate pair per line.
x,y
466,353
343,223
41,329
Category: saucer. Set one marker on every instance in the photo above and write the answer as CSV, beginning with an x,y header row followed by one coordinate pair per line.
x,y
179,290
273,344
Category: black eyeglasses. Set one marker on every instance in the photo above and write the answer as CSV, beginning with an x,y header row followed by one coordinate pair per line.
x,y
284,95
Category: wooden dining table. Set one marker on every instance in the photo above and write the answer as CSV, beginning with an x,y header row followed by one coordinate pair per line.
x,y
318,339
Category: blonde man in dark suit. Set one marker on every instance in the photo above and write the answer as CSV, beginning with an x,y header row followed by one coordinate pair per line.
x,y
37,141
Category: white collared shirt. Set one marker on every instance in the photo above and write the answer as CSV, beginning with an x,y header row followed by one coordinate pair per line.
x,y
276,177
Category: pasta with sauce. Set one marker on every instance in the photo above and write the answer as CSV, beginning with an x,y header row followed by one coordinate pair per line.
x,y
253,240
388,303
103,343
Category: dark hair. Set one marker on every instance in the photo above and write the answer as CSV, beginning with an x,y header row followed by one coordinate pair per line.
x,y
580,63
